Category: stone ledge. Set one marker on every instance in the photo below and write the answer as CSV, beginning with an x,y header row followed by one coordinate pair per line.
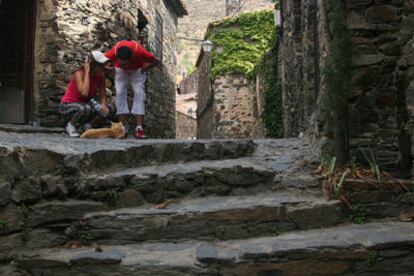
x,y
215,217
377,247
31,129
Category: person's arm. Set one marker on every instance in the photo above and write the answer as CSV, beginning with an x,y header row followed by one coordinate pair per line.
x,y
82,80
150,60
149,66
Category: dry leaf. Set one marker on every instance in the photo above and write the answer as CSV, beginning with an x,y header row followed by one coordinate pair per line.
x,y
406,217
164,204
72,245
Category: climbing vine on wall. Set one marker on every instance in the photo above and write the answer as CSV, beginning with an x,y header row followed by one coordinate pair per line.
x,y
241,42
337,73
272,111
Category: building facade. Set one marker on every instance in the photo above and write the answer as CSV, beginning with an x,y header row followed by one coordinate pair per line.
x,y
42,45
380,113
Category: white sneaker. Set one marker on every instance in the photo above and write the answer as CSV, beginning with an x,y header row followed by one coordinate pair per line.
x,y
71,130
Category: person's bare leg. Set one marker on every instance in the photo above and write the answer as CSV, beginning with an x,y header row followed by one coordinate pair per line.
x,y
122,119
140,120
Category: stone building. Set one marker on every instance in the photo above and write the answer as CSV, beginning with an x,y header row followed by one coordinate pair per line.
x,y
192,29
230,103
42,41
380,105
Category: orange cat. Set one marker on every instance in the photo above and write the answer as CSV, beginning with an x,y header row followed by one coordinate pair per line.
x,y
116,131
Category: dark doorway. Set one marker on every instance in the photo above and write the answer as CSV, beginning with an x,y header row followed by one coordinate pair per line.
x,y
16,60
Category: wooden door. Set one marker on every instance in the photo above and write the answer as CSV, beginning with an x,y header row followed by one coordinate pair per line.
x,y
16,60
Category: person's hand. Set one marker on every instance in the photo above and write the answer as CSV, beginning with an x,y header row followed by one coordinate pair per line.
x,y
144,68
105,110
109,66
87,65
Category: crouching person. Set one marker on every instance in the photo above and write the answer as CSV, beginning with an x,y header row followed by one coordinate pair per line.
x,y
131,62
79,105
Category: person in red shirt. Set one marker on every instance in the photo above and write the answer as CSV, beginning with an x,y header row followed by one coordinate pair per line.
x,y
131,62
78,104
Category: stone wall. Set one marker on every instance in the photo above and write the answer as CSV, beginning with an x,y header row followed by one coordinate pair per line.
x,y
205,100
373,103
186,116
236,113
376,103
299,53
190,83
228,106
405,85
68,30
186,126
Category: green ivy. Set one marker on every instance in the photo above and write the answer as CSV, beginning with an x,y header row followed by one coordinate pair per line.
x,y
3,223
337,73
273,113
241,42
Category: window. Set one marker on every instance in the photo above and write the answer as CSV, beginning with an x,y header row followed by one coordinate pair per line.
x,y
142,21
142,29
159,36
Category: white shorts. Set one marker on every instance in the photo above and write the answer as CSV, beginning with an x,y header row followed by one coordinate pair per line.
x,y
137,80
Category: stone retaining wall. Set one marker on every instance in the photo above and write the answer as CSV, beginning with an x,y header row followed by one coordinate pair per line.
x,y
186,126
235,108
381,33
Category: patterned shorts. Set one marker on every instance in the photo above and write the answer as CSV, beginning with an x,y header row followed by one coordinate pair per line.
x,y
82,112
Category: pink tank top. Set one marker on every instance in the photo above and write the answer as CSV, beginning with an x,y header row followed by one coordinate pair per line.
x,y
72,94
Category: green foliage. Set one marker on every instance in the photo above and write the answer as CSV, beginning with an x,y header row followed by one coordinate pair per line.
x,y
359,214
338,185
372,160
24,212
2,223
112,198
86,236
338,66
277,4
373,258
241,42
337,74
272,111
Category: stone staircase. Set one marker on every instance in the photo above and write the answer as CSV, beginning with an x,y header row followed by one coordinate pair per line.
x,y
230,208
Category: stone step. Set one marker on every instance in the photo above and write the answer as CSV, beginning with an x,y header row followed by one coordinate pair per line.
x,y
372,249
55,223
214,218
25,155
155,184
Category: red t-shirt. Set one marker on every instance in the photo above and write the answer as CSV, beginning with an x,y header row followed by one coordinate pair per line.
x,y
140,55
73,95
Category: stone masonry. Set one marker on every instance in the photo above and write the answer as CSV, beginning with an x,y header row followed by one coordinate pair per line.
x,y
381,33
236,108
67,30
